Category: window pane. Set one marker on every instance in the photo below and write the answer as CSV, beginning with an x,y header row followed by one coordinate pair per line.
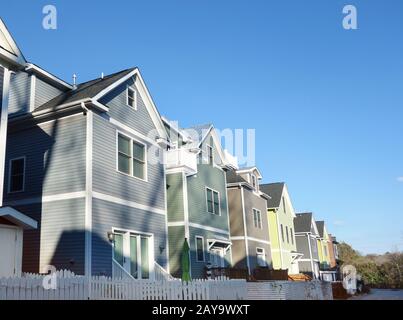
x,y
210,201
216,203
17,167
145,269
118,248
138,169
133,256
17,183
199,249
138,151
124,145
123,163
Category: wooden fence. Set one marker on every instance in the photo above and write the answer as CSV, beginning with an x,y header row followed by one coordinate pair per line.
x,y
72,287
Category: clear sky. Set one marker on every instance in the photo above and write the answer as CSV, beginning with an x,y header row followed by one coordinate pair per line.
x,y
326,103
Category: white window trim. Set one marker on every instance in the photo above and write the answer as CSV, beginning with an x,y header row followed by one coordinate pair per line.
x,y
260,226
219,201
262,253
204,256
209,147
135,97
131,162
151,251
23,176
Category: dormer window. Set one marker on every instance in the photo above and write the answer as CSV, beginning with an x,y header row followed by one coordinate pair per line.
x,y
131,98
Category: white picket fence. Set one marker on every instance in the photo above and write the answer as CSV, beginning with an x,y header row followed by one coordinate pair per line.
x,y
72,287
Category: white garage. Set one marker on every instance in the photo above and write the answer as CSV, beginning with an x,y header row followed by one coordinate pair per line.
x,y
12,225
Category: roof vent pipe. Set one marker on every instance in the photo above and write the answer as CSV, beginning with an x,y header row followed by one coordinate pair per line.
x,y
74,81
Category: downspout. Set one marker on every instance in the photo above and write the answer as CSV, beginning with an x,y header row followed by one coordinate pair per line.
x,y
310,253
245,230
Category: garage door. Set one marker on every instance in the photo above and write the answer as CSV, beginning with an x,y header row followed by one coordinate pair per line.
x,y
8,249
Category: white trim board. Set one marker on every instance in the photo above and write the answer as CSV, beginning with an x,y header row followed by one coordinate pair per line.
x,y
251,239
50,198
127,203
198,226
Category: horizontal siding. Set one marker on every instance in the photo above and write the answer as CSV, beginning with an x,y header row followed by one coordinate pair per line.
x,y
151,192
139,119
44,92
235,212
251,200
55,157
108,215
198,268
176,237
214,178
303,246
1,86
59,239
175,197
20,84
252,245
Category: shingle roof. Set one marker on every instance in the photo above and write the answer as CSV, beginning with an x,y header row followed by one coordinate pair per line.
x,y
275,191
85,90
302,222
321,226
233,177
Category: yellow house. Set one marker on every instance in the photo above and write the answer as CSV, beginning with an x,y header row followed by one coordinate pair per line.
x,y
281,216
323,246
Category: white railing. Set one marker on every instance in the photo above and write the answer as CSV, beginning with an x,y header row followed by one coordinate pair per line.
x,y
104,288
182,158
119,273
161,274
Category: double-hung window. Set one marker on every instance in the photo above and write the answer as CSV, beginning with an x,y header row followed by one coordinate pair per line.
x,y
282,232
292,236
261,257
257,218
17,175
286,232
131,95
131,157
210,155
213,201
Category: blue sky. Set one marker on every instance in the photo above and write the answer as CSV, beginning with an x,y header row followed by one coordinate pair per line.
x,y
326,103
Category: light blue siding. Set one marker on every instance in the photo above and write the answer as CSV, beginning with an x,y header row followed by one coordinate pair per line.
x,y
20,85
44,92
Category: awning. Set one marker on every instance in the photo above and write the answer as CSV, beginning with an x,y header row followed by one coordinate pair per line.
x,y
18,218
219,243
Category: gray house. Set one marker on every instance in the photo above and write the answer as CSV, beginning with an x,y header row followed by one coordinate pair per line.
x,y
197,199
249,225
306,236
85,162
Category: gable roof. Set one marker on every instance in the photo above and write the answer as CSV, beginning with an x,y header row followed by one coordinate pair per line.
x,y
303,222
86,90
198,133
233,177
275,191
8,47
321,227
250,169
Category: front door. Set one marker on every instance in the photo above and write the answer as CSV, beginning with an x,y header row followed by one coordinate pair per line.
x,y
217,257
133,253
8,251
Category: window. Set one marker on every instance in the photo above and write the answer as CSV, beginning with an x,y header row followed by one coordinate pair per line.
x,y
261,257
199,249
282,232
17,175
131,98
213,201
286,232
257,219
210,155
292,236
254,182
325,250
131,157
284,207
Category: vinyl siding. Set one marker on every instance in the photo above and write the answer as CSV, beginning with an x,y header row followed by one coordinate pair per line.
x,y
214,178
239,254
59,239
303,246
107,215
274,239
252,245
139,119
235,212
175,197
44,92
1,86
198,268
251,201
55,157
176,236
20,84
151,192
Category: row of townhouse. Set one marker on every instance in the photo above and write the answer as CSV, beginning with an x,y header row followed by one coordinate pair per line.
x,y
93,179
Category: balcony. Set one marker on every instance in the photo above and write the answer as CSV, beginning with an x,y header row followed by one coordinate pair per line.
x,y
182,159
